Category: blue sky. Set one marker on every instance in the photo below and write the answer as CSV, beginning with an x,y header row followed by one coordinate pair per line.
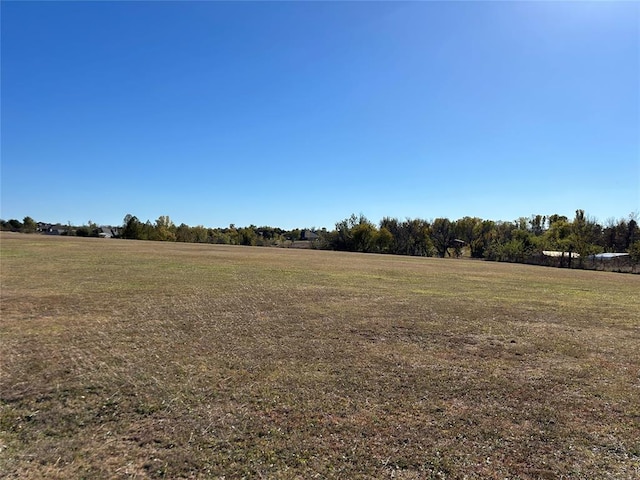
x,y
297,114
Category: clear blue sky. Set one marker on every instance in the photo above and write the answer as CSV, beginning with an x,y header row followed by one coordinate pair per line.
x,y
298,114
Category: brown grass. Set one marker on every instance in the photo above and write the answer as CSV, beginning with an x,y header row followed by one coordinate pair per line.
x,y
130,359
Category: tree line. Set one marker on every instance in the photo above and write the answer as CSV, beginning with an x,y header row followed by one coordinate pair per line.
x,y
517,241
164,229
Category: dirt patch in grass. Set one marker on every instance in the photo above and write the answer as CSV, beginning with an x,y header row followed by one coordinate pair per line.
x,y
124,359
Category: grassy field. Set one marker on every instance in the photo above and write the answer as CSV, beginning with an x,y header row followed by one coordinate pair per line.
x,y
131,359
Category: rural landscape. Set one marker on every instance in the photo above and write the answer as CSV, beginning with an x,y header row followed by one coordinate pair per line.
x,y
139,359
295,240
550,240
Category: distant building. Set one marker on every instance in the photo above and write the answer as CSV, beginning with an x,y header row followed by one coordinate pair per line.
x,y
56,230
607,256
553,253
308,235
108,232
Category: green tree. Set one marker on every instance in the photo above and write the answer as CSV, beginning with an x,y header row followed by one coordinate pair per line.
x,y
94,230
16,225
232,235
384,240
29,225
184,233
83,231
393,226
343,239
165,230
364,236
442,235
132,228
484,234
584,234
537,224
411,237
556,218
200,234
247,236
465,228
559,237
417,235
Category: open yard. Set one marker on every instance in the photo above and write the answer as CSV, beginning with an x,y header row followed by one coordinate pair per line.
x,y
131,359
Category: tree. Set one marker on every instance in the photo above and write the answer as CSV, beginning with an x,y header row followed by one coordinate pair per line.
x,y
94,230
484,234
619,235
83,231
364,236
633,234
559,237
556,218
411,237
247,236
165,230
384,240
293,235
132,228
465,228
473,231
417,235
498,242
634,252
584,234
15,225
29,225
343,239
442,235
392,226
537,224
232,235
200,234
184,233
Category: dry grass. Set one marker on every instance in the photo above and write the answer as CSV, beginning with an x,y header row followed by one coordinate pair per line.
x,y
123,359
